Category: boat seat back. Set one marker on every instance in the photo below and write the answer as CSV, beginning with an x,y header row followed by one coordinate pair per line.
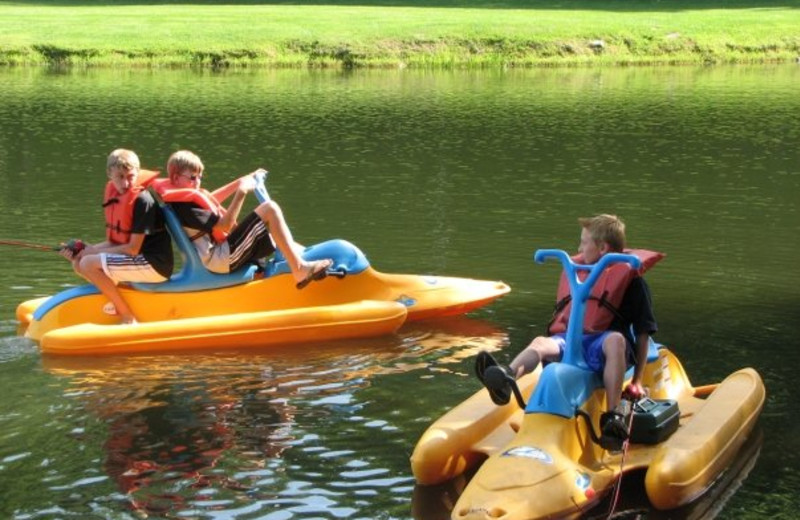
x,y
193,276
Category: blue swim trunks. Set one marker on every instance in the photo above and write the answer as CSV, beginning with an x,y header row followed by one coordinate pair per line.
x,y
592,348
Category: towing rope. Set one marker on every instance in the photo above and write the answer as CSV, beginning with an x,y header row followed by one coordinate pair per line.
x,y
618,484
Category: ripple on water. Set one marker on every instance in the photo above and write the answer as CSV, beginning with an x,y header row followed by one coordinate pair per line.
x,y
14,347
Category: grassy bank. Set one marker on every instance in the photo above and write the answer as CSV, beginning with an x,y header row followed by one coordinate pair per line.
x,y
399,33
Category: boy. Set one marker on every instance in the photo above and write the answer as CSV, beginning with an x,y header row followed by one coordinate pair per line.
x,y
223,244
137,246
608,351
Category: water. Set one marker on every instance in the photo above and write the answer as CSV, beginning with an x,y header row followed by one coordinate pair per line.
x,y
457,173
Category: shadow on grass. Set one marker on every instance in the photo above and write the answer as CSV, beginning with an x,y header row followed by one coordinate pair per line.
x,y
578,5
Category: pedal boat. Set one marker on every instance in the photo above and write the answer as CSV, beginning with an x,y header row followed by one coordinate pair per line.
x,y
198,309
543,457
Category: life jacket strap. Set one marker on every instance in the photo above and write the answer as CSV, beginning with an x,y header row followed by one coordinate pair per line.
x,y
602,301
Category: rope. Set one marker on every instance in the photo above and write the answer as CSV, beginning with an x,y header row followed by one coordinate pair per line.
x,y
618,485
18,243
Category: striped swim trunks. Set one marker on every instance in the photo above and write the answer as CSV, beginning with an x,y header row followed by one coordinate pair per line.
x,y
127,268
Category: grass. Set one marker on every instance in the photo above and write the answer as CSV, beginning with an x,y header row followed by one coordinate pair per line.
x,y
411,33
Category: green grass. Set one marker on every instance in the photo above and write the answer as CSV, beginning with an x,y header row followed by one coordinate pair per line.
x,y
443,33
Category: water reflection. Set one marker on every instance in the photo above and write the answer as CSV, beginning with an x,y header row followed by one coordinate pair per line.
x,y
199,433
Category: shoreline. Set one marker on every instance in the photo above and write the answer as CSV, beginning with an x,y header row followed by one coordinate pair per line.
x,y
343,57
384,34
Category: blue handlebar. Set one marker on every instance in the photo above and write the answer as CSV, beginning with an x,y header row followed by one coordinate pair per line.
x,y
261,188
580,291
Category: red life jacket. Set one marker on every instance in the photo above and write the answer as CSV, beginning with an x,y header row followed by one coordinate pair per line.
x,y
198,197
118,209
606,296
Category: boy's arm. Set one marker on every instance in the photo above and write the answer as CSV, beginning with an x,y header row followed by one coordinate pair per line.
x,y
144,217
228,220
635,391
226,191
644,324
244,185
221,194
131,248
641,348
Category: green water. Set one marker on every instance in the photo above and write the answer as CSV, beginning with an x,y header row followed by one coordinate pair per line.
x,y
456,173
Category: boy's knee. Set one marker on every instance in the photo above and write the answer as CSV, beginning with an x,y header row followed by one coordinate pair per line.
x,y
87,264
545,347
614,345
269,209
81,266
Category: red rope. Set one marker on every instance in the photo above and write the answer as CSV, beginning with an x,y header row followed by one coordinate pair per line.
x,y
18,243
618,485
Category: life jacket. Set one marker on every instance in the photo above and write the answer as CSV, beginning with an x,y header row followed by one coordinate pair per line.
x,y
199,197
606,295
118,208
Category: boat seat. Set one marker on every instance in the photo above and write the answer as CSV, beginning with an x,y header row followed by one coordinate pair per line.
x,y
563,388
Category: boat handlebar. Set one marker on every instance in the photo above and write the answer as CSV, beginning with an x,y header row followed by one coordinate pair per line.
x,y
580,292
261,189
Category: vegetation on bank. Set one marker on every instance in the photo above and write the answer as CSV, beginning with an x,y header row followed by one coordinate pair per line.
x,y
398,33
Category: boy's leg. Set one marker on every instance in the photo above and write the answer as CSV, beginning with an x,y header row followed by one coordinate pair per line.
x,y
614,347
106,270
272,216
91,268
542,348
613,428
499,380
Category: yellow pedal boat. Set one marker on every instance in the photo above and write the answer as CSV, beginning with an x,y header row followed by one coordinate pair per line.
x,y
262,311
542,460
250,307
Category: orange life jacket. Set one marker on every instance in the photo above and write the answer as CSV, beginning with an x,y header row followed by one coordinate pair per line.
x,y
606,296
199,197
118,208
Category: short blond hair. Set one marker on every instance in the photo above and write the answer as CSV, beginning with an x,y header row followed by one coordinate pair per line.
x,y
606,228
183,160
123,159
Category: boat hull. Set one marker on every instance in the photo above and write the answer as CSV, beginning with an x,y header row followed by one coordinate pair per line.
x,y
180,320
257,329
687,463
466,435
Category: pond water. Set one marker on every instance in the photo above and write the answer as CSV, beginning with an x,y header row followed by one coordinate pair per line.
x,y
453,173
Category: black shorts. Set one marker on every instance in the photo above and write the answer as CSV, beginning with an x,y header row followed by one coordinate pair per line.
x,y
249,241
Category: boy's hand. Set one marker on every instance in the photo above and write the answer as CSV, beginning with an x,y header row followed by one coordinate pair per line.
x,y
247,183
71,250
66,253
633,392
